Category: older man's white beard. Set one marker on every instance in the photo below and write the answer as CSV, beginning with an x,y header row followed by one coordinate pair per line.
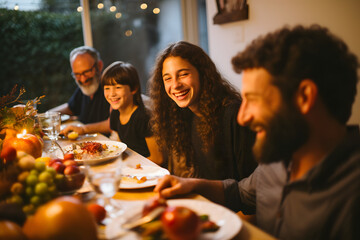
x,y
91,89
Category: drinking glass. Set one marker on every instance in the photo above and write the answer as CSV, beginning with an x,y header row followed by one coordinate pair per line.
x,y
50,123
106,182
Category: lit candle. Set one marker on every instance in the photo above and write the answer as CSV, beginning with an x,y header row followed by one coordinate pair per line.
x,y
21,135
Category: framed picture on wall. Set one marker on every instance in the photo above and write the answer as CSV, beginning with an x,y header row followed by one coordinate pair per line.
x,y
231,11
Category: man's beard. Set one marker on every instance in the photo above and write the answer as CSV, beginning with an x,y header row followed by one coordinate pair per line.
x,y
285,133
92,88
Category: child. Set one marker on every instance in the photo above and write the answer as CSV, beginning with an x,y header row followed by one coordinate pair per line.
x,y
129,117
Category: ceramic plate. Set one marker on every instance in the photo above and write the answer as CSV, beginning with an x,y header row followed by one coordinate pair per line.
x,y
114,150
131,174
230,224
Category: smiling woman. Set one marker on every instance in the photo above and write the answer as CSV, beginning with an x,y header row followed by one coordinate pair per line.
x,y
194,116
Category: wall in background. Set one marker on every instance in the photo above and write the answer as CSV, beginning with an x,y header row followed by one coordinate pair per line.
x,y
341,17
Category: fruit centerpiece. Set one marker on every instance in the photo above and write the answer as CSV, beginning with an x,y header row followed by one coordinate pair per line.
x,y
26,178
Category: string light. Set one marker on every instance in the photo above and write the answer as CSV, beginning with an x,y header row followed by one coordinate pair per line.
x,y
112,9
79,9
143,6
100,6
16,7
156,10
118,15
128,33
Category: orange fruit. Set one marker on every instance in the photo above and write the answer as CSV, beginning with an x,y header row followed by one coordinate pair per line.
x,y
97,211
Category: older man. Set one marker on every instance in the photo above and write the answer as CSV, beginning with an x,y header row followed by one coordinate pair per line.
x,y
88,101
298,87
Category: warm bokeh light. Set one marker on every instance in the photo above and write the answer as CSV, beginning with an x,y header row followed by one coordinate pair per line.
x,y
143,6
112,9
79,9
16,7
156,10
128,33
118,15
100,6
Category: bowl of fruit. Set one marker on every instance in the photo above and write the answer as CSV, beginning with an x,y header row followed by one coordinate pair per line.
x,y
71,177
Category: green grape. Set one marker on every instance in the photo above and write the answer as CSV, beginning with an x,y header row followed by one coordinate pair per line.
x,y
31,180
41,188
34,172
22,176
40,166
29,191
17,188
45,177
51,170
16,199
52,189
29,209
35,200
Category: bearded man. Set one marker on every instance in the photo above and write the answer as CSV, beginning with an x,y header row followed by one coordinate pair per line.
x,y
298,87
87,102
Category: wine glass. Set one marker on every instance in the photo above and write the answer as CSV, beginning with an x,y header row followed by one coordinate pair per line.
x,y
50,123
105,182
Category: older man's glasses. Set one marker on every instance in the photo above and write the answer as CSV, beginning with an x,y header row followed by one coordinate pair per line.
x,y
86,73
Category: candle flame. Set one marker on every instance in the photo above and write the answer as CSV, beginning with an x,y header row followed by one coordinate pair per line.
x,y
20,135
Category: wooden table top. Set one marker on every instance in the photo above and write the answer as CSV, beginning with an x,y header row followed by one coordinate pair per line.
x,y
126,196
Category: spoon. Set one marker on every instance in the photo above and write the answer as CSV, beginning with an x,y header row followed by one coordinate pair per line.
x,y
145,219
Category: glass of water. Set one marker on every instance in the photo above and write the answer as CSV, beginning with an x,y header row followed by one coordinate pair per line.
x,y
50,123
106,182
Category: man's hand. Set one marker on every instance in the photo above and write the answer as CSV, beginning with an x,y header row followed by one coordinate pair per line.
x,y
73,128
170,186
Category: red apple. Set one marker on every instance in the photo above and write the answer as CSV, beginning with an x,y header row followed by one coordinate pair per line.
x,y
181,223
52,161
8,153
58,166
69,156
69,162
71,169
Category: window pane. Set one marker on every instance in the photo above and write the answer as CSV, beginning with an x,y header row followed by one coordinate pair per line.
x,y
135,31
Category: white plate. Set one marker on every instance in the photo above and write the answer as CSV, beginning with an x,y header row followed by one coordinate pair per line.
x,y
230,224
116,148
152,173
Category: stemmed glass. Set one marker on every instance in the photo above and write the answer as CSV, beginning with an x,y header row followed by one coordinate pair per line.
x,y
105,182
50,123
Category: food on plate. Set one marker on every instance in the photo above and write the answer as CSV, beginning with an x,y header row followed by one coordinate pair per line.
x,y
73,135
97,211
61,218
138,166
175,222
91,150
133,179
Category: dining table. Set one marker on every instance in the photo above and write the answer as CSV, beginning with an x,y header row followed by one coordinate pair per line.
x,y
129,198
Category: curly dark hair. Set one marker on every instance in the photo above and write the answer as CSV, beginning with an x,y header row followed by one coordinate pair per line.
x,y
125,74
291,55
172,124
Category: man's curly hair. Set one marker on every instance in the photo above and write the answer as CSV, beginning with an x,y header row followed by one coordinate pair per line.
x,y
172,124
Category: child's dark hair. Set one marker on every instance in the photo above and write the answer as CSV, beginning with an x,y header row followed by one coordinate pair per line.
x,y
125,74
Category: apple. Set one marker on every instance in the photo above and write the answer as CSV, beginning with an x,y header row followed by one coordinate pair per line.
x,y
71,169
58,166
8,153
97,211
28,143
69,162
181,223
69,156
152,204
54,160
